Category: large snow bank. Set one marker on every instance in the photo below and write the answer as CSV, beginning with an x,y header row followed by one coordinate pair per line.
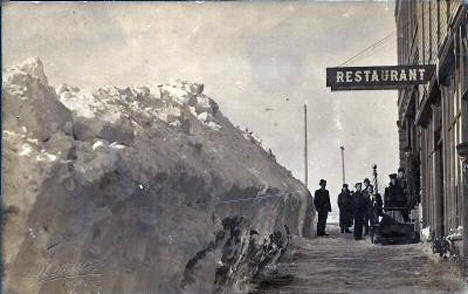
x,y
136,190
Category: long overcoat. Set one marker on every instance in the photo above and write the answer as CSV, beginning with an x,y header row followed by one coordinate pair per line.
x,y
394,196
345,204
360,206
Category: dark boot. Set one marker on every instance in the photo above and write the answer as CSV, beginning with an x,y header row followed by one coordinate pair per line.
x,y
348,231
342,230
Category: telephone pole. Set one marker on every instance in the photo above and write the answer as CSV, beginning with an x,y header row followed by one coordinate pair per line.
x,y
376,181
306,165
342,164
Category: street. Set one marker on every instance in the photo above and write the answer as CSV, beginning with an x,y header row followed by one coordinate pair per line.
x,y
338,264
215,147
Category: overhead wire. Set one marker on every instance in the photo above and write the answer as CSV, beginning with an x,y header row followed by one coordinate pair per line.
x,y
374,45
373,51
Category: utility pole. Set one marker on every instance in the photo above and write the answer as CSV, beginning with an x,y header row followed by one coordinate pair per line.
x,y
306,162
376,182
342,164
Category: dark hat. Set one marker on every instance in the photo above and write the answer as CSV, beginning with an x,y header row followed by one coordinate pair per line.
x,y
355,185
366,180
322,181
345,185
401,169
393,176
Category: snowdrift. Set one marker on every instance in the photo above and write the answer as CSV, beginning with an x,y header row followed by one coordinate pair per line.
x,y
132,190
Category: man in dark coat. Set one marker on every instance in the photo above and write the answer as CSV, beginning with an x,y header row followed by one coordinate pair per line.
x,y
323,207
345,203
395,196
360,209
377,211
401,179
368,192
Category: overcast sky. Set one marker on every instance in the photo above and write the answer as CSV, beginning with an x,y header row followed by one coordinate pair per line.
x,y
250,56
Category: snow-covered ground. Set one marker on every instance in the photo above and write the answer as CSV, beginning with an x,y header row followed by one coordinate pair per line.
x,y
339,264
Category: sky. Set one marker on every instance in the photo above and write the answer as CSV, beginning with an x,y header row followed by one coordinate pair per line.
x,y
260,61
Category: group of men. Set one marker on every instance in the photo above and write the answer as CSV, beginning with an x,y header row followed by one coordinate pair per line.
x,y
362,207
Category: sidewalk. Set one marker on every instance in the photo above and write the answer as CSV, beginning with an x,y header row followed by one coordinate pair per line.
x,y
339,264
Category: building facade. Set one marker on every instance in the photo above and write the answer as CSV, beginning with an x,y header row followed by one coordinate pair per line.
x,y
433,118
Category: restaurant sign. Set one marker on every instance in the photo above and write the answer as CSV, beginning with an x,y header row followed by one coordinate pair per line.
x,y
378,77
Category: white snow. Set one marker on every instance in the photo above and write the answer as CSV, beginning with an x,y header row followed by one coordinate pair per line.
x,y
26,150
161,116
33,141
164,102
134,110
203,102
46,157
12,134
81,103
457,234
175,123
98,144
32,66
18,91
172,111
214,126
254,139
426,234
203,116
116,145
31,233
179,96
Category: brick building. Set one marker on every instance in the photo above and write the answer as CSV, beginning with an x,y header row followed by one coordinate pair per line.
x,y
433,118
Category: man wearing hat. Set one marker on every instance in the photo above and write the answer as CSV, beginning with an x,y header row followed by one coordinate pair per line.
x,y
360,208
367,191
345,203
401,179
366,183
395,196
393,193
323,207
